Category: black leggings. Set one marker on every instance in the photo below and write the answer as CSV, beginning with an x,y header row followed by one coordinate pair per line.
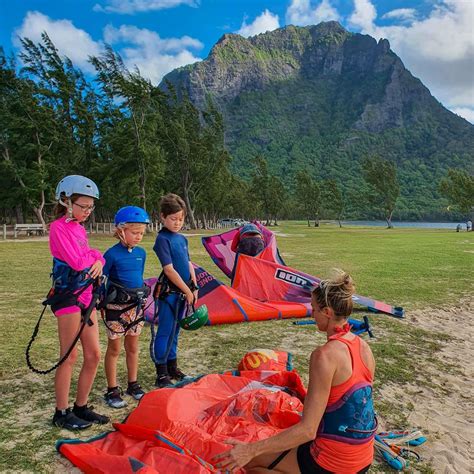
x,y
306,463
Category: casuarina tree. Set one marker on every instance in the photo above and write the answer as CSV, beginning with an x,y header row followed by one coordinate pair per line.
x,y
381,176
458,188
308,196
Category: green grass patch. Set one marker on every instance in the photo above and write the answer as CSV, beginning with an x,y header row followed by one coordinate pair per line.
x,y
414,268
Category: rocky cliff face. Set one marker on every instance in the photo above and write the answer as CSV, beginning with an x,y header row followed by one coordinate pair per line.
x,y
237,65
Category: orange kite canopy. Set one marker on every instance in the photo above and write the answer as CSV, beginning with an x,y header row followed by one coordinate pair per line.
x,y
180,430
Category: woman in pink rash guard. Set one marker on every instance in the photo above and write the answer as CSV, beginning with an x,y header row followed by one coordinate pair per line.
x,y
73,256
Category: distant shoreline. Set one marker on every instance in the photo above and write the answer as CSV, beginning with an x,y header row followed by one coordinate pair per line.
x,y
421,225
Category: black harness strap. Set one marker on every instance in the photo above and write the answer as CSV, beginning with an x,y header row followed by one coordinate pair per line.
x,y
139,304
126,326
85,317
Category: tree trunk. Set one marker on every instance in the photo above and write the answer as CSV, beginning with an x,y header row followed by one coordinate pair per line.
x,y
192,220
143,191
19,214
389,220
38,210
140,158
309,224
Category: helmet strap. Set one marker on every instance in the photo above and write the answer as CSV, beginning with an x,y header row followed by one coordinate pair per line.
x,y
69,209
121,235
68,206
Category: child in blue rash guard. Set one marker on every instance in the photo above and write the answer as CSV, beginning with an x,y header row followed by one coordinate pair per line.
x,y
124,267
172,251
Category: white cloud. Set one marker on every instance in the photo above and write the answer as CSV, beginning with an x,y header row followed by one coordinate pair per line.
x,y
70,41
267,21
438,49
302,13
464,112
138,6
403,14
364,15
152,55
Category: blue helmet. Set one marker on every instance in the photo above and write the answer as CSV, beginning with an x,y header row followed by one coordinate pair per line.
x,y
131,214
75,184
250,229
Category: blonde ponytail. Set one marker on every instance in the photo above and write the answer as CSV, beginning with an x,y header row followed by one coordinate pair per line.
x,y
336,293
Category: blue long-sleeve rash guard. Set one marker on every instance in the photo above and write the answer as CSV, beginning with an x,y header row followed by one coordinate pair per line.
x,y
172,248
124,267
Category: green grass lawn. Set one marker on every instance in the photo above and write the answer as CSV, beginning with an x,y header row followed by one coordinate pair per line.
x,y
414,268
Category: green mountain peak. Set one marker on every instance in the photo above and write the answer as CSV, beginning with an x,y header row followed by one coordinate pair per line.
x,y
322,98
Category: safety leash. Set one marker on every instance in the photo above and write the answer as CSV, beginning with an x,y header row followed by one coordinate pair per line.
x,y
390,446
85,320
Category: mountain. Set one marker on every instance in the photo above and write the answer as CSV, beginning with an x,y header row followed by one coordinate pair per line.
x,y
322,98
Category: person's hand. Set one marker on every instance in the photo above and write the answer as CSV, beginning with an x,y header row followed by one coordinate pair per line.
x,y
195,294
96,270
189,297
238,456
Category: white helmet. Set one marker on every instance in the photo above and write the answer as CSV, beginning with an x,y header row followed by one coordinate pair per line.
x,y
75,184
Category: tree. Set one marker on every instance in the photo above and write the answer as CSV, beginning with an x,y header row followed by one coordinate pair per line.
x,y
140,104
308,197
278,198
267,191
210,169
333,200
458,188
197,161
259,187
381,176
26,137
50,129
62,88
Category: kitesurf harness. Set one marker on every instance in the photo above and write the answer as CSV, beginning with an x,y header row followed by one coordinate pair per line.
x,y
127,298
351,419
67,286
164,286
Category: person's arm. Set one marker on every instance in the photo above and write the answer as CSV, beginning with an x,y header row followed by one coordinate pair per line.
x,y
94,253
162,249
176,279
321,373
108,263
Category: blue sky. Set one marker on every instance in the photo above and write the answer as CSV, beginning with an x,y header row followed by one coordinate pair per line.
x,y
434,38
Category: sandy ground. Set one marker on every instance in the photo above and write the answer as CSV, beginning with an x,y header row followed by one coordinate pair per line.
x,y
446,411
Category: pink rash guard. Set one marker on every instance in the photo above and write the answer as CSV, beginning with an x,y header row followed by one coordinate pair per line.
x,y
68,242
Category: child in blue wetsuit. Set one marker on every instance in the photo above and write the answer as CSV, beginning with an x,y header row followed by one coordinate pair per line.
x,y
124,299
180,281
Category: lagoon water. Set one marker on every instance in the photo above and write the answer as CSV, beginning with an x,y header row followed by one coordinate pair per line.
x,y
425,225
